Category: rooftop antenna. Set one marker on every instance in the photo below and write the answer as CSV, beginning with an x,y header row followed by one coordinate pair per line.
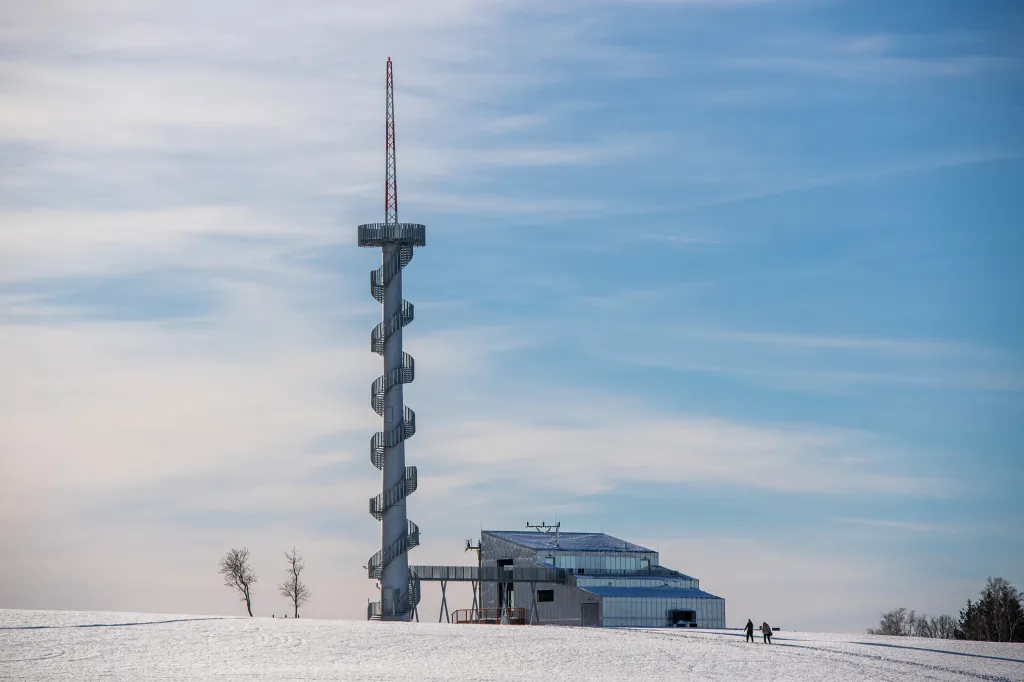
x,y
546,528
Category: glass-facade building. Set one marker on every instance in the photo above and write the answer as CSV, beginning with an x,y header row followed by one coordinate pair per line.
x,y
608,582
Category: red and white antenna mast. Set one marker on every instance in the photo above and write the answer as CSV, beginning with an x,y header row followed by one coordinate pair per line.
x,y
390,172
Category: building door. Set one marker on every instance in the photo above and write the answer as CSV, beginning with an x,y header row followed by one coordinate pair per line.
x,y
506,591
590,615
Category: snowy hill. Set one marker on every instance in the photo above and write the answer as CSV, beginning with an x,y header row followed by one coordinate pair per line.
x,y
52,645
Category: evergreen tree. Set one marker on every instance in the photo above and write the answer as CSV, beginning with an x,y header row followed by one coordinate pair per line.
x,y
968,626
998,615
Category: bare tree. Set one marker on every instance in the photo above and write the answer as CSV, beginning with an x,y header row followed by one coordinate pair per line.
x,y
892,623
239,574
903,623
921,626
293,587
942,627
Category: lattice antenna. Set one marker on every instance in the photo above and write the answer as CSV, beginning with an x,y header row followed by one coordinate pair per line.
x,y
390,171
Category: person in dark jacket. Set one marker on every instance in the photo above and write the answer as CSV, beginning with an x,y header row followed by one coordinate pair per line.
x,y
766,630
750,630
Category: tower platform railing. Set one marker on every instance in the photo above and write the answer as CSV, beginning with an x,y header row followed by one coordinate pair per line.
x,y
490,574
502,616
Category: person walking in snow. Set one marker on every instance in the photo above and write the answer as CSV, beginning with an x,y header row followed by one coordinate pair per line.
x,y
766,630
750,631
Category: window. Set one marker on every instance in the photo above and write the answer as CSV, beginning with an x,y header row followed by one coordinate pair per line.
x,y
680,616
545,595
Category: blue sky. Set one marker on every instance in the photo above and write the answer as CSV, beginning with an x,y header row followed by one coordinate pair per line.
x,y
736,280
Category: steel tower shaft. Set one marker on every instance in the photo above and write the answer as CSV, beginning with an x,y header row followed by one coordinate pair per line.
x,y
390,565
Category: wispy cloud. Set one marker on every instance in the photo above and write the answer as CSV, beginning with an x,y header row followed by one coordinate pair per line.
x,y
823,360
135,106
879,57
897,347
41,243
696,3
881,68
506,205
900,525
763,186
838,366
515,123
593,451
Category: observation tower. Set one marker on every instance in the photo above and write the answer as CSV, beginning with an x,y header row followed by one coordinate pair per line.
x,y
399,590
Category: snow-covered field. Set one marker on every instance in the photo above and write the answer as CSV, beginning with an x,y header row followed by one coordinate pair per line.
x,y
58,645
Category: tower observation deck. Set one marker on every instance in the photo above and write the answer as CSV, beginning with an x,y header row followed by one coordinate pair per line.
x,y
400,592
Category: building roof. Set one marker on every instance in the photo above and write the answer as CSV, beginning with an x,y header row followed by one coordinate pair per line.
x,y
658,592
567,542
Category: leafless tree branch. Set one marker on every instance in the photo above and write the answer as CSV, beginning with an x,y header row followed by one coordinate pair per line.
x,y
293,587
239,574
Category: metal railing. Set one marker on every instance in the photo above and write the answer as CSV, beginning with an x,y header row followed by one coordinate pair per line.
x,y
503,616
396,493
408,540
490,574
374,608
378,234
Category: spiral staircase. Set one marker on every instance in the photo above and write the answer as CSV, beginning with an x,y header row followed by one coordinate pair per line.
x,y
398,241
